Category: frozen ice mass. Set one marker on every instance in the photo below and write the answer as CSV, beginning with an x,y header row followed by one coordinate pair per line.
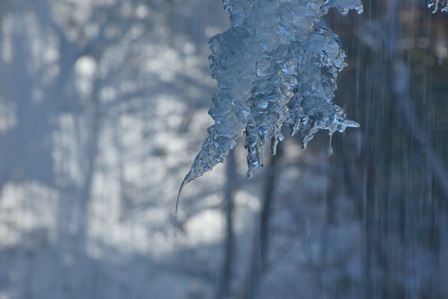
x,y
277,65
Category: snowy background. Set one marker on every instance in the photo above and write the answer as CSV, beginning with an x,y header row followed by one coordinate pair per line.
x,y
103,107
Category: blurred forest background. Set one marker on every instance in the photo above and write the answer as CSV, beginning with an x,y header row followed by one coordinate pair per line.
x,y
103,106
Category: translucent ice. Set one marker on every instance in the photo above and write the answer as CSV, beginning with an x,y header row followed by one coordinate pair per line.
x,y
277,65
435,5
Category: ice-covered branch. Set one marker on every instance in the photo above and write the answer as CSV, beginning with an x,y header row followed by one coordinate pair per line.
x,y
277,65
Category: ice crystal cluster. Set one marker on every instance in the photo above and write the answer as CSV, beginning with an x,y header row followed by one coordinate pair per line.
x,y
435,5
277,65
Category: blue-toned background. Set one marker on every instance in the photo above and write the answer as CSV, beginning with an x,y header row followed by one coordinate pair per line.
x,y
103,107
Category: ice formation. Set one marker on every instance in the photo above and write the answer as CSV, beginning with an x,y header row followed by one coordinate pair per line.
x,y
435,5
277,65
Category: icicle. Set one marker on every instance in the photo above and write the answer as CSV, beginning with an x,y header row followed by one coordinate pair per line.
x,y
277,65
330,146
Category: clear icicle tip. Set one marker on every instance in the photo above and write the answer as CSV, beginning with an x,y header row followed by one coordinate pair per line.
x,y
330,146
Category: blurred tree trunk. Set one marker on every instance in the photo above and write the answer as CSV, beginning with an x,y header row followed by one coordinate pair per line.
x,y
30,137
259,261
225,279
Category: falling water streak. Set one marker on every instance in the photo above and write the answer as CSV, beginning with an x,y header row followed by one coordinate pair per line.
x,y
415,130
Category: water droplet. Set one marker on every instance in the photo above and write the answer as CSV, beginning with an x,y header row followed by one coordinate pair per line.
x,y
343,10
